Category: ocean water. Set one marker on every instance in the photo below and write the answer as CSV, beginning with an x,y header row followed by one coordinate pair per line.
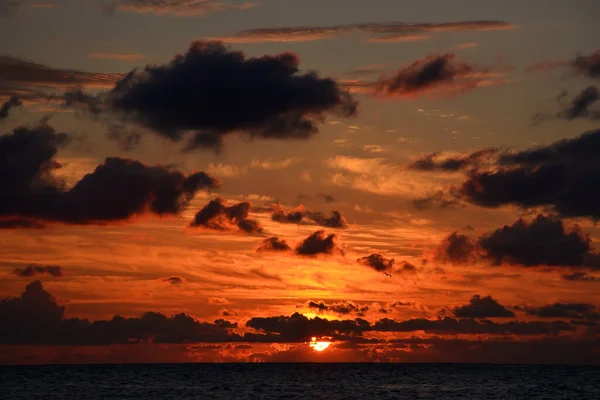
x,y
300,381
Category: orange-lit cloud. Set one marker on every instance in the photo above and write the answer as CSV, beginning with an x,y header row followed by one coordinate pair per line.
x,y
178,8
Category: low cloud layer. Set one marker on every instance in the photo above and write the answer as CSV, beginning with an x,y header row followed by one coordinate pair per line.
x,y
380,32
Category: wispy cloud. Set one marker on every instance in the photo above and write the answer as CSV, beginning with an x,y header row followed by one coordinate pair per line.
x,y
382,32
118,56
178,8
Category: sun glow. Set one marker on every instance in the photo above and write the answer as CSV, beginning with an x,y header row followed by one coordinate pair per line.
x,y
318,346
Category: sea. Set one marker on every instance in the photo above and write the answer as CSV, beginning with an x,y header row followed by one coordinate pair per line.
x,y
301,381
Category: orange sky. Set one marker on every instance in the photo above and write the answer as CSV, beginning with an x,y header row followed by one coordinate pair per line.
x,y
456,130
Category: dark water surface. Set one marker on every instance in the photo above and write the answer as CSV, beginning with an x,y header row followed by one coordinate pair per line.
x,y
300,381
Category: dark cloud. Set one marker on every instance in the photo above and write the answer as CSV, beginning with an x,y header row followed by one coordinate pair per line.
x,y
439,199
11,103
53,270
564,310
406,267
327,198
383,31
295,216
273,243
178,8
434,73
174,280
217,91
299,214
36,318
580,276
342,308
449,325
588,64
318,243
377,261
542,241
483,307
432,162
580,105
216,215
457,249
562,175
116,190
19,223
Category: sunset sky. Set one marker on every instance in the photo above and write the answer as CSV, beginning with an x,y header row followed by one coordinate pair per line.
x,y
223,181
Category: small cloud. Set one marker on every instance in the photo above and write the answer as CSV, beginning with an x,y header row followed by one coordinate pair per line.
x,y
174,280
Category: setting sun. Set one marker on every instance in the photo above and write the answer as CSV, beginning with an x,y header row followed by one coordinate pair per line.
x,y
318,346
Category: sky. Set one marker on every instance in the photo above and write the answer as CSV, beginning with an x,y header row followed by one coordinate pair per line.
x,y
253,181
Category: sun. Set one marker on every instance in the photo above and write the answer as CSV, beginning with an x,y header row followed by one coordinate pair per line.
x,y
318,346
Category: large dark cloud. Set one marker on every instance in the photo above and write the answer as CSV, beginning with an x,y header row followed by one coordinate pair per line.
x,y
12,102
432,162
581,277
564,310
542,241
116,190
34,269
563,175
483,307
216,215
318,243
377,261
217,91
36,318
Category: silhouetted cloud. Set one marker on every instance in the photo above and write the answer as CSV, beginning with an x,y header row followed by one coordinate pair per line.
x,y
217,91
438,199
483,307
434,73
36,318
116,190
11,103
318,243
174,280
561,175
588,64
216,215
563,310
432,162
580,105
377,261
342,308
542,241
299,214
178,8
457,249
33,269
384,32
297,327
273,243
